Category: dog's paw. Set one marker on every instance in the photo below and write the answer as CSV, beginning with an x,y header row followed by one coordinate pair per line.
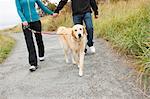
x,y
80,73
74,63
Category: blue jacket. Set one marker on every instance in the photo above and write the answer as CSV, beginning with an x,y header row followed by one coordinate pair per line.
x,y
27,11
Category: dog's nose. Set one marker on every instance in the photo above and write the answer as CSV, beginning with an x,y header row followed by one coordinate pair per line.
x,y
79,35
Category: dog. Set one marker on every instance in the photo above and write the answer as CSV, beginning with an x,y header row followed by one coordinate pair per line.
x,y
74,41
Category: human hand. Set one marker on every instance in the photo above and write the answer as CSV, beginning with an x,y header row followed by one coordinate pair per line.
x,y
55,15
96,16
25,23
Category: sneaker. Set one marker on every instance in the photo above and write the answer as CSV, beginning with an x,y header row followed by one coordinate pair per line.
x,y
33,68
92,49
42,58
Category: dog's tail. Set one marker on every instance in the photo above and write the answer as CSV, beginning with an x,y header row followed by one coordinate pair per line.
x,y
61,30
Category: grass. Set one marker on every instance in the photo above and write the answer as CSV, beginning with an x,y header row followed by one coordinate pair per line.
x,y
15,29
51,24
6,44
127,26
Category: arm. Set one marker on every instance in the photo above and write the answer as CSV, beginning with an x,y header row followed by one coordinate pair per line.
x,y
19,10
60,5
42,6
94,7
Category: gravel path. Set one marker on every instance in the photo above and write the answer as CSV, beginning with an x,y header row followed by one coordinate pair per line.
x,y
103,77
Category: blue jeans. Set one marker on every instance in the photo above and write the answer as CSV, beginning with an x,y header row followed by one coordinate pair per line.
x,y
87,19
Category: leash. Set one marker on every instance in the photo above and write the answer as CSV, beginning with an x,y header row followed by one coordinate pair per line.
x,y
37,32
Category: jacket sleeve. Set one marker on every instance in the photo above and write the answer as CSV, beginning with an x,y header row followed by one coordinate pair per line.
x,y
60,5
43,7
94,6
20,12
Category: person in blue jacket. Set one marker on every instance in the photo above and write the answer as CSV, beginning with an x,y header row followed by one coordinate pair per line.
x,y
30,18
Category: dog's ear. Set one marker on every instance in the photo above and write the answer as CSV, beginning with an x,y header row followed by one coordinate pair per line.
x,y
84,31
73,35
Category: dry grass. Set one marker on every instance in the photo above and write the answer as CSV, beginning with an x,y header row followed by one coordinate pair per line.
x,y
51,24
15,29
127,26
6,44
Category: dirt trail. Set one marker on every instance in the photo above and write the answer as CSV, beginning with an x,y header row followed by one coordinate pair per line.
x,y
103,75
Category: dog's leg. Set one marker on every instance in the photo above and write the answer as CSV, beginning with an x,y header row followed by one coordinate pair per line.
x,y
78,59
66,55
81,63
73,58
65,48
81,59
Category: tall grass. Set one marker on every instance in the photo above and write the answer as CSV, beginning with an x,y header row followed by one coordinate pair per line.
x,y
15,29
51,24
6,44
127,26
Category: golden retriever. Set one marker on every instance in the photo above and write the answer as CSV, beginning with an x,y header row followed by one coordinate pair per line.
x,y
74,41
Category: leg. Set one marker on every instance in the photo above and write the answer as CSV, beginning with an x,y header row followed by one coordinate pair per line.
x,y
73,58
78,19
81,63
89,28
39,40
65,48
66,54
30,47
81,60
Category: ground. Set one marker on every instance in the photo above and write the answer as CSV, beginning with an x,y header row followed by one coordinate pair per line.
x,y
105,74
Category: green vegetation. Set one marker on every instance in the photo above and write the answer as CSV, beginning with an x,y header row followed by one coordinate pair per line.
x,y
6,44
127,26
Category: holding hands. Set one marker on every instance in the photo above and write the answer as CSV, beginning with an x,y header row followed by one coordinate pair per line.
x,y
96,16
55,15
25,23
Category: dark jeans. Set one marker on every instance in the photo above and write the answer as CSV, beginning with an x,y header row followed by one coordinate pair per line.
x,y
87,19
30,43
